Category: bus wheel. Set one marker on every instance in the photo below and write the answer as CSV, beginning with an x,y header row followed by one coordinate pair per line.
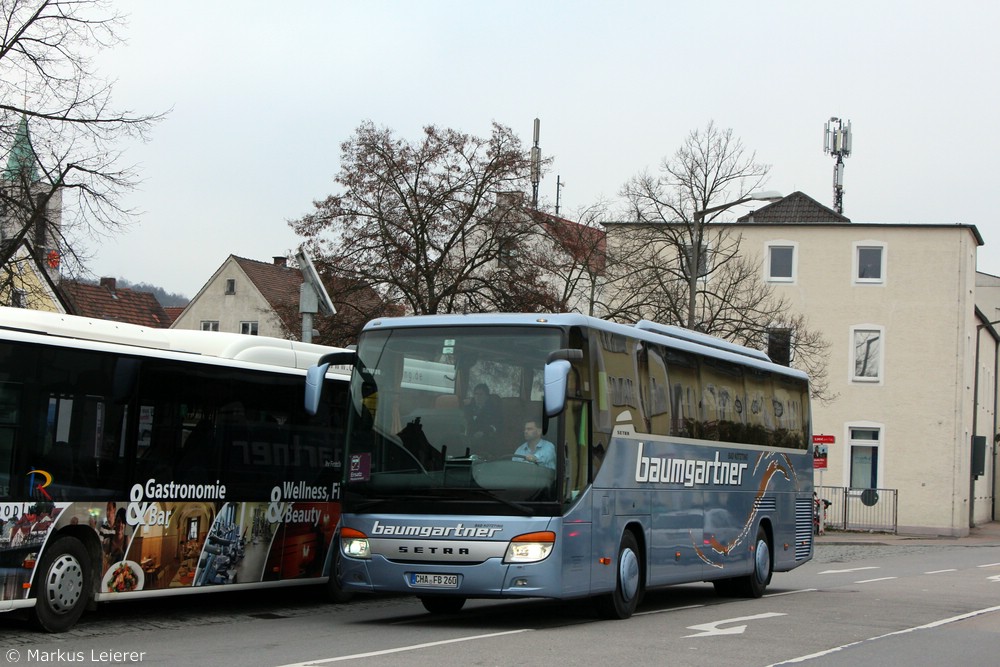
x,y
63,585
628,587
443,605
334,593
753,584
758,580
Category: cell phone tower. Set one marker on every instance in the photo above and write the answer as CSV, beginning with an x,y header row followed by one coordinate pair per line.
x,y
837,142
536,167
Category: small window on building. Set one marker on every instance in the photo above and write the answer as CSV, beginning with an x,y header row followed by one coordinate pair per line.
x,y
18,298
779,346
864,445
781,263
867,354
869,262
209,325
249,328
231,286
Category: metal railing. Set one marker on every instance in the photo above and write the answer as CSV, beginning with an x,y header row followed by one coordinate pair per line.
x,y
873,510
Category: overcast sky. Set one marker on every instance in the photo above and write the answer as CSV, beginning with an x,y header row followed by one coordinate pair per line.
x,y
263,93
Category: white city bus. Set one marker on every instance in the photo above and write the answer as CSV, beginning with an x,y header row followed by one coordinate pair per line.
x,y
666,456
139,462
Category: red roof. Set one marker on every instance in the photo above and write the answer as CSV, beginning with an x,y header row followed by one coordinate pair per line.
x,y
108,302
277,282
585,244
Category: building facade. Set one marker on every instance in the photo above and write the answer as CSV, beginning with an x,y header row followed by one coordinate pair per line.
x,y
911,366
244,296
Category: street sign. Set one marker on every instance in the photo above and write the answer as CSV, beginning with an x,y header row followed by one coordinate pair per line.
x,y
820,443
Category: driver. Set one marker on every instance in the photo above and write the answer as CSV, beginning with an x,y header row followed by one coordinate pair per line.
x,y
534,449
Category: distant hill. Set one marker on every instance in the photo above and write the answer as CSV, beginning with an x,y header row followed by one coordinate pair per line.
x,y
166,299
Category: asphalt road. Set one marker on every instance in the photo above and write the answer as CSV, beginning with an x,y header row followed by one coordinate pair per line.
x,y
909,603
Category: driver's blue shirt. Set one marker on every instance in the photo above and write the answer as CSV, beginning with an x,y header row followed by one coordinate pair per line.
x,y
545,453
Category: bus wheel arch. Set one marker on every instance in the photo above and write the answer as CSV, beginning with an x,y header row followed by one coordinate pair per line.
x,y
753,584
630,577
63,583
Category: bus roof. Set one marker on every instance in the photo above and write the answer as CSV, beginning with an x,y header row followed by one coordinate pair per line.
x,y
671,336
222,345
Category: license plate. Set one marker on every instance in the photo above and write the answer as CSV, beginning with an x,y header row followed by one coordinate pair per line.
x,y
425,580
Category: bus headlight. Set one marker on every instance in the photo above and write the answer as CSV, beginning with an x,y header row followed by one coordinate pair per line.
x,y
354,543
530,547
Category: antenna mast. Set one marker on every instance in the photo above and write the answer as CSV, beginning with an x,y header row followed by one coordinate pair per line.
x,y
837,142
559,187
536,168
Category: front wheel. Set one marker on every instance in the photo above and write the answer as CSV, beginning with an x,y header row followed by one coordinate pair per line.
x,y
443,605
621,603
63,585
332,589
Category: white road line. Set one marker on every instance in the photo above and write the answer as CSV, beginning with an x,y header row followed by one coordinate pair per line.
x,y
868,581
940,571
402,649
990,565
804,590
928,626
663,611
853,569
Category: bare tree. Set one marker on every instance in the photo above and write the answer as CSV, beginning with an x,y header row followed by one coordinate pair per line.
x,y
59,131
674,262
436,226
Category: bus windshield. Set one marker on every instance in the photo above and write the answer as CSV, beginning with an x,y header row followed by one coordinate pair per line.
x,y
450,415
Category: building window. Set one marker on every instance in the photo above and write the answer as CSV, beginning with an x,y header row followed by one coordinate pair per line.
x,y
704,256
781,263
779,346
231,286
209,325
249,328
18,298
867,354
863,445
869,263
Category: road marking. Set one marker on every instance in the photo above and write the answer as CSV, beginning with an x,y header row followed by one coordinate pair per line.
x,y
995,578
663,611
928,626
940,571
401,649
989,565
853,569
804,590
868,581
712,629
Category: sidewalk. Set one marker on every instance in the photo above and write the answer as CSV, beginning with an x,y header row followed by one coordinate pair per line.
x,y
987,534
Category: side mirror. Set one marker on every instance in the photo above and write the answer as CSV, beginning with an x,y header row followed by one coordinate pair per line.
x,y
316,373
314,387
556,375
557,368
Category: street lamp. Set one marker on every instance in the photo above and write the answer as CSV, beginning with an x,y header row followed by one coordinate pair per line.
x,y
765,195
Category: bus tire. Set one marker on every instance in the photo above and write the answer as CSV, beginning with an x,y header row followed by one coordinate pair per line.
x,y
754,584
333,590
443,605
621,603
63,585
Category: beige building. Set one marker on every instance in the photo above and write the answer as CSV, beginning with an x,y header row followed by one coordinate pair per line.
x,y
246,296
897,304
